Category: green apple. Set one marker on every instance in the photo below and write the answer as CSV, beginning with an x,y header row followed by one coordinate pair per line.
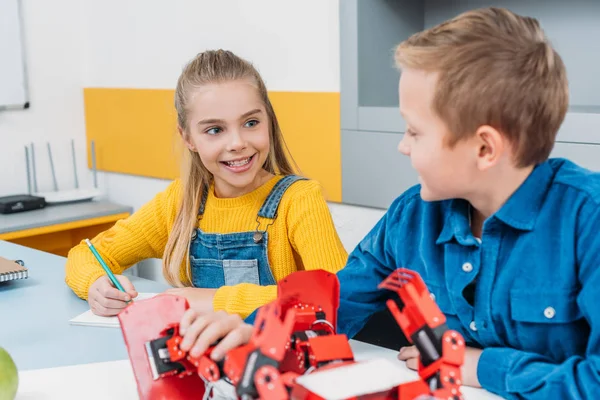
x,y
9,377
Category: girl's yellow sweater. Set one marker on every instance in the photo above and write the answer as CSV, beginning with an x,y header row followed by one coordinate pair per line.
x,y
302,237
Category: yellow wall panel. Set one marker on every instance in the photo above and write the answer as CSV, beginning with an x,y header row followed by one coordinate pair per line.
x,y
134,131
310,122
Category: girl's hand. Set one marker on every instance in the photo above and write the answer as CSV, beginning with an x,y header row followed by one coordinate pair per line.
x,y
199,299
106,300
200,331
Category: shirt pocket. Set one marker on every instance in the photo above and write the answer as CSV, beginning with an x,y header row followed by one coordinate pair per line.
x,y
544,319
544,307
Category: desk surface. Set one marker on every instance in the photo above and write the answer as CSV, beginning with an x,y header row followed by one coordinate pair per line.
x,y
35,314
59,214
89,381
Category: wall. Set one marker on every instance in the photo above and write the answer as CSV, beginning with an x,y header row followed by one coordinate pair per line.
x,y
56,68
295,46
300,67
73,44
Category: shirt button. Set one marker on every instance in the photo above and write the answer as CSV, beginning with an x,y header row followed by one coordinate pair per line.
x,y
467,267
549,312
473,326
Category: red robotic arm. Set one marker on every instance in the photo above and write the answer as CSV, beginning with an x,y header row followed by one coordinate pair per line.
x,y
441,351
293,336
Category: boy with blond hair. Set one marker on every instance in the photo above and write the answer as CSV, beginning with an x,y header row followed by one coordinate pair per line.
x,y
506,239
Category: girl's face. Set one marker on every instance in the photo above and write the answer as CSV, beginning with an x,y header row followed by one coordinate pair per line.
x,y
229,129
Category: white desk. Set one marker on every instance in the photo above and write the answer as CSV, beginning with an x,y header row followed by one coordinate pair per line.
x,y
59,361
93,379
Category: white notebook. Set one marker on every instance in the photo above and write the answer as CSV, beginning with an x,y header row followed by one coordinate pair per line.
x,y
88,318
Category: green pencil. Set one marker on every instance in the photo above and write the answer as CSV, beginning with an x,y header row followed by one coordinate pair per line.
x,y
110,274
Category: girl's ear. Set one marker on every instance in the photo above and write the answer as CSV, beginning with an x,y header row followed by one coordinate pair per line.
x,y
185,139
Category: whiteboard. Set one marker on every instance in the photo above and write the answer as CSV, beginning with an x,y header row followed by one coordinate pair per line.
x,y
13,77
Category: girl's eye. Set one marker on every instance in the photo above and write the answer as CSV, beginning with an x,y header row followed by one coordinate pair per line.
x,y
411,133
251,124
213,131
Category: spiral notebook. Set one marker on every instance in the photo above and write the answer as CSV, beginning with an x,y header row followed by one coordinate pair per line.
x,y
11,270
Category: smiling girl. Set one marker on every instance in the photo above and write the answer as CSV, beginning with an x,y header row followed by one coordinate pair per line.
x,y
237,221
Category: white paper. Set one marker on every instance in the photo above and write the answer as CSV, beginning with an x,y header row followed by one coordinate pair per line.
x,y
373,376
88,318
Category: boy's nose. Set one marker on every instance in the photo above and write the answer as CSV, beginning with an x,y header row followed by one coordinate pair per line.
x,y
403,146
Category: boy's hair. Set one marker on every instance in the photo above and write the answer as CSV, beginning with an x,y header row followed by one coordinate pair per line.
x,y
213,66
494,68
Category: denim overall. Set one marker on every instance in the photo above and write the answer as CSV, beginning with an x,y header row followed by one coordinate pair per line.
x,y
227,259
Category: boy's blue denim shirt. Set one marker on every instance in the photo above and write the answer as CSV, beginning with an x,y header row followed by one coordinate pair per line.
x,y
536,312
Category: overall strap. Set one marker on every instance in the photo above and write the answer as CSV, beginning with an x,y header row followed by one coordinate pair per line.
x,y
271,204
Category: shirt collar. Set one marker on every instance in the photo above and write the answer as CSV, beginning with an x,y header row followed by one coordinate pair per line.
x,y
457,223
520,210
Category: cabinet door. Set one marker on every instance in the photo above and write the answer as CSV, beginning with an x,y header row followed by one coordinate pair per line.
x,y
374,173
586,155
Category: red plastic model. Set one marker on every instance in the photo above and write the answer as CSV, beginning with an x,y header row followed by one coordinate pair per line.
x,y
294,335
441,351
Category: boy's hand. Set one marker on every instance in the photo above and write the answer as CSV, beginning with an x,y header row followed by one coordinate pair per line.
x,y
202,331
410,354
106,300
199,299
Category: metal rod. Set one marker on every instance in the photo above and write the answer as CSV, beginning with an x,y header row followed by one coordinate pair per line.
x,y
27,170
52,167
74,164
35,186
94,164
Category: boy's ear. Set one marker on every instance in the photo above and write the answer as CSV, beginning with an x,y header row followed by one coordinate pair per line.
x,y
185,139
491,146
